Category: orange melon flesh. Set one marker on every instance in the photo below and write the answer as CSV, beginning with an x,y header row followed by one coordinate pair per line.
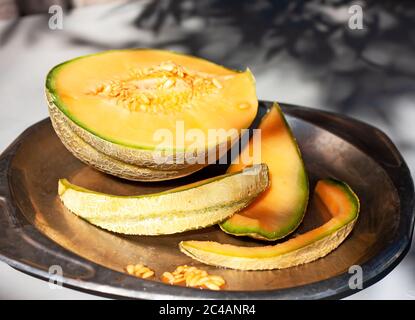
x,y
227,101
339,200
280,209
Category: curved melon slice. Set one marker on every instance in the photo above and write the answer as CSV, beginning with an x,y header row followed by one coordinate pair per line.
x,y
280,209
343,206
152,109
193,206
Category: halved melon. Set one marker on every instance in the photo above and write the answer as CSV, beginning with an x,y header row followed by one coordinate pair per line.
x,y
342,204
280,209
146,111
192,206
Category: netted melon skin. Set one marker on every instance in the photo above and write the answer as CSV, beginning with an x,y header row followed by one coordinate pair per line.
x,y
173,211
111,158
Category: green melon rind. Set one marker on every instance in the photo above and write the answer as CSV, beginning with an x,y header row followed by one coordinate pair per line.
x,y
298,215
189,207
310,251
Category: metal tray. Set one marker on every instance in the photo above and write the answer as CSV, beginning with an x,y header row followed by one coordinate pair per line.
x,y
36,231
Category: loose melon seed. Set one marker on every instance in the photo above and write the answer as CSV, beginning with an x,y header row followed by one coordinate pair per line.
x,y
243,106
216,83
193,277
140,271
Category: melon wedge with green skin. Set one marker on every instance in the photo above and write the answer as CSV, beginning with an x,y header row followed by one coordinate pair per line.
x,y
280,209
340,201
148,114
192,206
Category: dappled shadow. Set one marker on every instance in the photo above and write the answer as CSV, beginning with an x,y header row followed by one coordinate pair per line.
x,y
368,73
356,68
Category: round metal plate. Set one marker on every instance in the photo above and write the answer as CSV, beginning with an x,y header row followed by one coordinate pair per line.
x,y
36,231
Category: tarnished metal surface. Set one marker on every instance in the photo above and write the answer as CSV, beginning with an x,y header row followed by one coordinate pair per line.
x,y
92,259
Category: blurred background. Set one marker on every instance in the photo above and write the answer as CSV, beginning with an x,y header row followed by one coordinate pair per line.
x,y
312,53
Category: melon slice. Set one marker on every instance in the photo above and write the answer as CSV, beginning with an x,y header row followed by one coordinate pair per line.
x,y
342,204
192,206
148,110
280,209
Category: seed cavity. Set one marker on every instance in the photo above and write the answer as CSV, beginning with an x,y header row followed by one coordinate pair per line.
x,y
164,88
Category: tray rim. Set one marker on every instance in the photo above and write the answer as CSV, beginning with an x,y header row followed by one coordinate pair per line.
x,y
18,238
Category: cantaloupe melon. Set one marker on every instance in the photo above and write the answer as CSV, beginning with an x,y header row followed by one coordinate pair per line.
x,y
340,201
115,109
188,207
280,209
